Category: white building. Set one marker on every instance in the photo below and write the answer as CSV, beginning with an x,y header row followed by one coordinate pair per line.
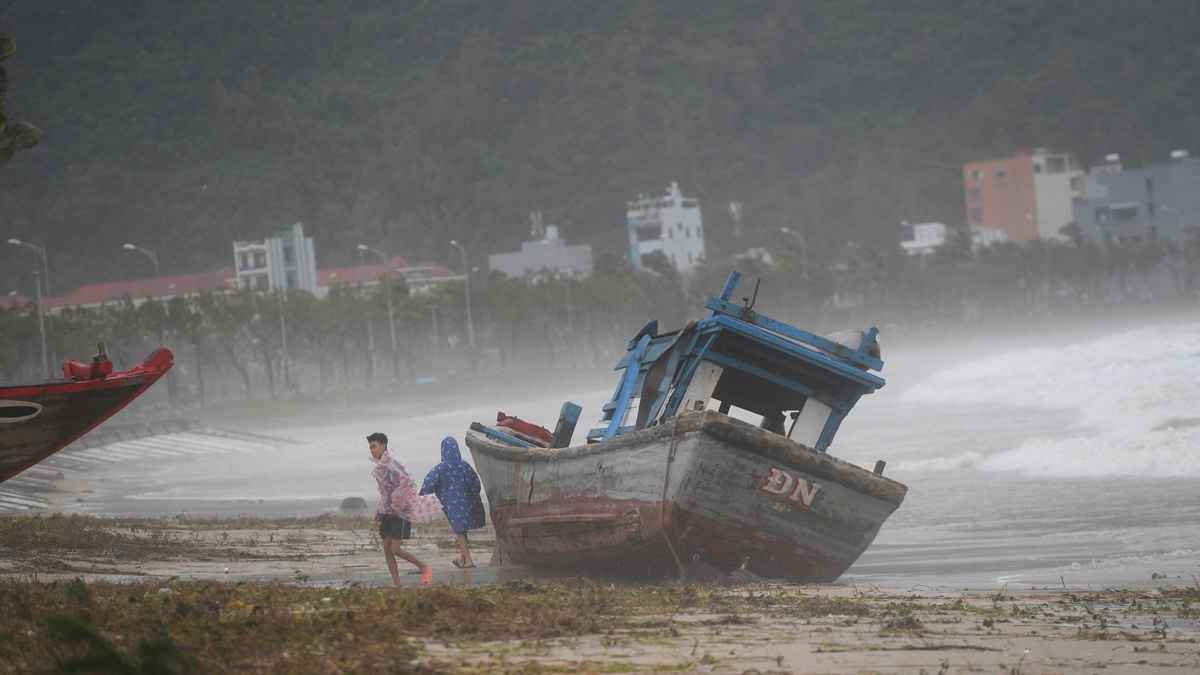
x,y
283,262
549,254
670,223
1057,181
923,238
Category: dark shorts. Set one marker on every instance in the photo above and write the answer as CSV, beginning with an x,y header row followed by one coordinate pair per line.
x,y
394,527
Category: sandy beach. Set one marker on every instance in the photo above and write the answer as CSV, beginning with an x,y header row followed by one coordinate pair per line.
x,y
201,580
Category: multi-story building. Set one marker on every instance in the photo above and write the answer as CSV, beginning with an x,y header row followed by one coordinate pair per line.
x,y
547,255
283,262
669,223
1159,201
1027,196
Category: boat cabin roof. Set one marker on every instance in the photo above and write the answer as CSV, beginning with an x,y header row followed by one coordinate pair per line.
x,y
768,367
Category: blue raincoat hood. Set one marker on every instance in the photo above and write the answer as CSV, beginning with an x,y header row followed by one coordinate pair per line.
x,y
457,486
450,451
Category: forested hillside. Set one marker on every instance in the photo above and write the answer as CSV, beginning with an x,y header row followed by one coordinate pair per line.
x,y
185,125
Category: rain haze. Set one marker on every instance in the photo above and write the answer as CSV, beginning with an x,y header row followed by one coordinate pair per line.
x,y
406,217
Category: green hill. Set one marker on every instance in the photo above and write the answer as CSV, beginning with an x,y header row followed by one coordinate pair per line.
x,y
185,125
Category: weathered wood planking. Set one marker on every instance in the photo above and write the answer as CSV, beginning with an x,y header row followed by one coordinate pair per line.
x,y
703,487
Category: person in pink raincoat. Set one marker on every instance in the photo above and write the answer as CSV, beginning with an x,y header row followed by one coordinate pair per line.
x,y
399,506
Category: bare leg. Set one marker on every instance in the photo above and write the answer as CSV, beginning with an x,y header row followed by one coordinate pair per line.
x,y
391,559
394,546
464,551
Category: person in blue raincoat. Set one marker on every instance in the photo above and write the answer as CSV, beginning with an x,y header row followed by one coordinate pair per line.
x,y
457,486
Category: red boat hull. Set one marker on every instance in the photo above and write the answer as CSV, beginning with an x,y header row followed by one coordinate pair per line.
x,y
39,420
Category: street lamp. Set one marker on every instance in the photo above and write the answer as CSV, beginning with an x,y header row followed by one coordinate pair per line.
x,y
146,252
362,262
42,284
286,361
41,308
162,320
467,287
387,260
41,251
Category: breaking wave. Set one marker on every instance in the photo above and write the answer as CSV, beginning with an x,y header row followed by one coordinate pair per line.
x,y
1134,398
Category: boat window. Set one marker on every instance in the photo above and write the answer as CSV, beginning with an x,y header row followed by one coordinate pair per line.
x,y
744,415
635,404
759,396
767,405
776,421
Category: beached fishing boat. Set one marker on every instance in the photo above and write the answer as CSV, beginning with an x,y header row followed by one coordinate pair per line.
x,y
38,420
713,451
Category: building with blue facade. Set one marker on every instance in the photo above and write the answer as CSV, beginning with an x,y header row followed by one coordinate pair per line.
x,y
1159,202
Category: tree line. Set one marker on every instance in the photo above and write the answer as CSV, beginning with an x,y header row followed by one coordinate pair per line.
x,y
280,344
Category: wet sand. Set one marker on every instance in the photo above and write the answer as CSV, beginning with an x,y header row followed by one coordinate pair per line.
x,y
742,624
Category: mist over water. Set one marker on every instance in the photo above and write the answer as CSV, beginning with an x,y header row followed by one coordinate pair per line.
x,y
329,458
1076,462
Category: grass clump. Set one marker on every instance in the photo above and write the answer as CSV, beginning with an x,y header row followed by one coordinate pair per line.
x,y
43,540
218,627
901,621
58,533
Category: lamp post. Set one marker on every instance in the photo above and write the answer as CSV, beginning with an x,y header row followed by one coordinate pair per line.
x,y
41,251
467,289
146,252
387,260
437,338
41,308
162,328
40,280
286,362
362,262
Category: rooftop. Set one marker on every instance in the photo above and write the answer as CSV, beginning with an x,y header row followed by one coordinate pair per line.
x,y
155,287
13,301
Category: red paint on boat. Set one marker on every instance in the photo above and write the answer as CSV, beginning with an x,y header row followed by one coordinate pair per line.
x,y
65,410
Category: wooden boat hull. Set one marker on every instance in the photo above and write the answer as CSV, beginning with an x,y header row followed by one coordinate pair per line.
x,y
702,488
39,420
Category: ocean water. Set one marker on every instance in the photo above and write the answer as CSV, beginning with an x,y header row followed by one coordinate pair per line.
x,y
1069,464
1075,463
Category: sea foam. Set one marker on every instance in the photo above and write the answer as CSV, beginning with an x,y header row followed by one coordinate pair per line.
x,y
1133,398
